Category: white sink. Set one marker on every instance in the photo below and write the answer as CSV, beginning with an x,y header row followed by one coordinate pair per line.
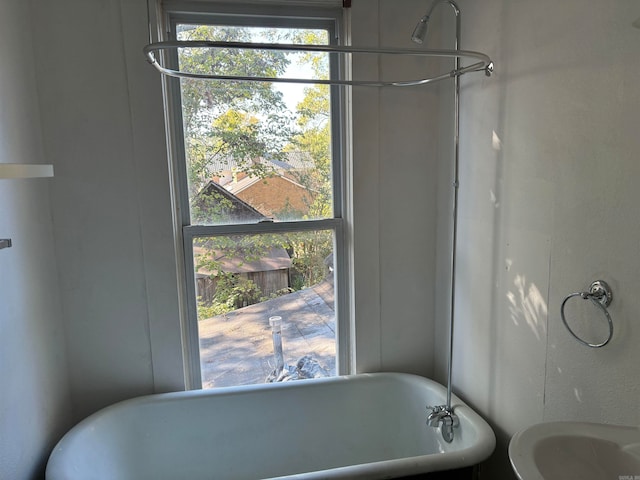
x,y
576,451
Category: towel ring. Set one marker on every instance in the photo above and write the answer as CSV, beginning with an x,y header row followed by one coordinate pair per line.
x,y
600,295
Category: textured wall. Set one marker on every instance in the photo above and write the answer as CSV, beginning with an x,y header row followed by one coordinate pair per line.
x,y
103,129
34,401
548,204
395,161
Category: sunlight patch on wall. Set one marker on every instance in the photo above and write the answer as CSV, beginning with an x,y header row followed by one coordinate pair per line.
x,y
496,143
578,394
527,304
494,199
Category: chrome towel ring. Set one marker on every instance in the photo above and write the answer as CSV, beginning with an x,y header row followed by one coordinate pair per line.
x,y
600,295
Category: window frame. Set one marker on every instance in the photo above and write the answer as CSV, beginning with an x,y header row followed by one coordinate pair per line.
x,y
258,16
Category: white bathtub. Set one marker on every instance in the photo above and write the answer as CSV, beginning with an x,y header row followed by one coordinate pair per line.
x,y
367,426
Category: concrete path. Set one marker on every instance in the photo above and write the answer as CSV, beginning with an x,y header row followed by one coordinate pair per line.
x,y
237,348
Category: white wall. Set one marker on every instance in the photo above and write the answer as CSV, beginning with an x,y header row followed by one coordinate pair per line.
x,y
103,128
395,146
549,204
34,401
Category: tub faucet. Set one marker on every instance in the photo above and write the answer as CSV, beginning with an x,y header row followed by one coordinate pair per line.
x,y
442,416
435,417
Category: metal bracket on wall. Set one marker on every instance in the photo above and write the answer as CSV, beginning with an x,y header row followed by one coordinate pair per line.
x,y
5,243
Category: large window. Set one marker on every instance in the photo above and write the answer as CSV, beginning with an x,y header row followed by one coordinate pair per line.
x,y
260,201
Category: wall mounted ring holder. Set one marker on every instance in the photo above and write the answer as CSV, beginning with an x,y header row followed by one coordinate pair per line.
x,y
601,296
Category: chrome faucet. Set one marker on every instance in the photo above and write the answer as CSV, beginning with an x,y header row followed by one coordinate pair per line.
x,y
442,416
435,417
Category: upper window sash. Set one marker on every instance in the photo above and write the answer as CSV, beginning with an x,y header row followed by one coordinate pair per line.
x,y
336,98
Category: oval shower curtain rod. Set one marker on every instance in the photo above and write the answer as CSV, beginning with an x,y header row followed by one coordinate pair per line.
x,y
483,65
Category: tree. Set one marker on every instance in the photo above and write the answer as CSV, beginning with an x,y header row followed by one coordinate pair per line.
x,y
311,249
242,122
314,137
230,120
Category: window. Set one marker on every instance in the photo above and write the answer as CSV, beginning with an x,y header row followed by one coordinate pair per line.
x,y
259,195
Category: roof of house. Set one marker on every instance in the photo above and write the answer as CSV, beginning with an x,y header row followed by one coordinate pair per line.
x,y
292,160
236,187
276,258
238,211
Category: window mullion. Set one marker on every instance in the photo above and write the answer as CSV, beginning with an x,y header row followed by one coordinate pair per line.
x,y
194,231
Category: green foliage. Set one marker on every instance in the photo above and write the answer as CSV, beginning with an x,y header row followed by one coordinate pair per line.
x,y
210,208
243,122
310,249
234,120
314,115
235,291
232,292
213,309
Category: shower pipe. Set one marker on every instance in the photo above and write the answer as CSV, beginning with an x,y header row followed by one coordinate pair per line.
x,y
483,65
443,414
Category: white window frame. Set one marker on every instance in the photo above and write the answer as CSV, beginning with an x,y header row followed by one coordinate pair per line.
x,y
263,15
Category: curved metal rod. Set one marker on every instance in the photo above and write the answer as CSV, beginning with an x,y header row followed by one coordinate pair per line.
x,y
485,64
596,299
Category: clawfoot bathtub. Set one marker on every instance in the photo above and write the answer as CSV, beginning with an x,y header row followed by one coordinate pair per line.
x,y
366,426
